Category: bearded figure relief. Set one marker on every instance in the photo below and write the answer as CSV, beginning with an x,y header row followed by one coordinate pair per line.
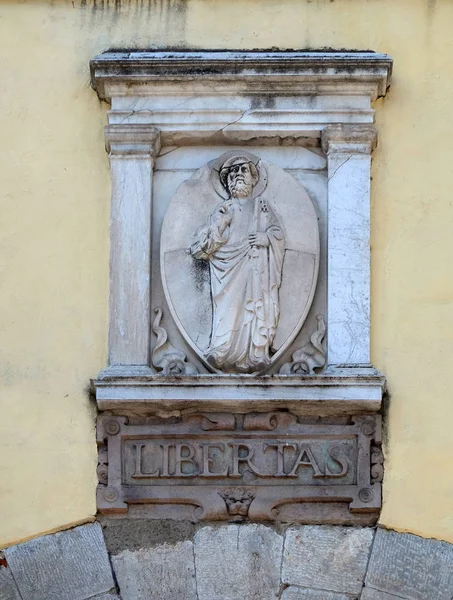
x,y
242,240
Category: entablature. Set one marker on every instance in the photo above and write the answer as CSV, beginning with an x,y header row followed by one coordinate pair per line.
x,y
246,97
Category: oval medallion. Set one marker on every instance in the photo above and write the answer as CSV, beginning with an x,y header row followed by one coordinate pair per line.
x,y
239,261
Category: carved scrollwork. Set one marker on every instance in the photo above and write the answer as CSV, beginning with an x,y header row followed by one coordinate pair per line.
x,y
102,468
237,501
216,421
268,421
165,357
312,356
377,464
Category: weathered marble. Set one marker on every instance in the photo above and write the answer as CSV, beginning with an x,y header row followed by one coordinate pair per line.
x,y
217,243
132,152
349,160
216,104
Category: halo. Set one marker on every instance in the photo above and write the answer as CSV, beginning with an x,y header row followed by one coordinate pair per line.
x,y
216,165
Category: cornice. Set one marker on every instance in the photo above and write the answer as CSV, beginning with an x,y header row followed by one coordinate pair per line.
x,y
137,73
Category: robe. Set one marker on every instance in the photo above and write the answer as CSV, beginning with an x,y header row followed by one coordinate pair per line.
x,y
245,282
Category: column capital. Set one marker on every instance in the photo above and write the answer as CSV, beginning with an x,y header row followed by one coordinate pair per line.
x,y
132,140
351,139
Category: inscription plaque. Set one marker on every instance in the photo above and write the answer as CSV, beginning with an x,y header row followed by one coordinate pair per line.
x,y
239,466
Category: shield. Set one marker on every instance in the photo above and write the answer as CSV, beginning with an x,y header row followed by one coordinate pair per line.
x,y
187,281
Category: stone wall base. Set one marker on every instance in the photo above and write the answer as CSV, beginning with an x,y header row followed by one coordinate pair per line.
x,y
163,560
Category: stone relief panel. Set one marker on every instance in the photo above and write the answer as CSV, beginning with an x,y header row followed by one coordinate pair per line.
x,y
235,466
239,260
231,265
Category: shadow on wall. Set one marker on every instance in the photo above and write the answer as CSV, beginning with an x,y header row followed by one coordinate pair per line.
x,y
159,18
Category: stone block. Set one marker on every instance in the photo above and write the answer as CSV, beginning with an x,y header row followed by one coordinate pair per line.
x,y
136,534
238,561
296,593
8,588
161,573
327,558
372,594
411,567
69,565
107,596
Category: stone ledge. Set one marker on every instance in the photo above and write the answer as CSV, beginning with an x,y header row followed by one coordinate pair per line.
x,y
335,393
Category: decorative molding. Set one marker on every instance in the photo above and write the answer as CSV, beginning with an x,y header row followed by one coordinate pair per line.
x,y
165,357
309,72
132,140
350,139
334,392
312,356
243,97
377,464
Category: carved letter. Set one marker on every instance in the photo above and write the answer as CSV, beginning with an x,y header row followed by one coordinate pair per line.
x,y
342,462
165,460
207,461
138,464
180,460
305,450
280,456
247,458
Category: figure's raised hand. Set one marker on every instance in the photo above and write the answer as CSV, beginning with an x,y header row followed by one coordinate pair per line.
x,y
225,207
259,239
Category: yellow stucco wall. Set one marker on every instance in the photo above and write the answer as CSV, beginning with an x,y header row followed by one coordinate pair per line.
x,y
54,189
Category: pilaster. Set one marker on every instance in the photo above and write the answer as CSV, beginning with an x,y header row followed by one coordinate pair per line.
x,y
348,149
132,150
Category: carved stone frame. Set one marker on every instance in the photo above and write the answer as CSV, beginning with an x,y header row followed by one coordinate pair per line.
x,y
280,97
361,498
